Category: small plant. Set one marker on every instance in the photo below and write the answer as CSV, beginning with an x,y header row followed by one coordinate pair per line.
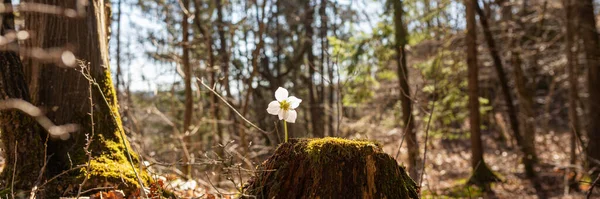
x,y
283,107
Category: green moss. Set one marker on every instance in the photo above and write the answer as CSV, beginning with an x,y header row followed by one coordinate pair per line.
x,y
110,150
113,164
328,148
465,191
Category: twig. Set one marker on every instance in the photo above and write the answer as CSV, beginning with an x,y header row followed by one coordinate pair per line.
x,y
589,193
62,173
211,184
96,188
229,105
122,134
39,179
89,137
178,133
429,121
12,183
404,131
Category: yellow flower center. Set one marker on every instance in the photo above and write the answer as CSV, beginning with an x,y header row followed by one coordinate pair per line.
x,y
285,105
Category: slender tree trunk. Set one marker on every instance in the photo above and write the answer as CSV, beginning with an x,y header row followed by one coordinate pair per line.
x,y
208,42
570,39
187,71
66,94
118,54
529,165
525,87
482,175
316,111
224,54
498,66
324,61
407,116
589,34
22,139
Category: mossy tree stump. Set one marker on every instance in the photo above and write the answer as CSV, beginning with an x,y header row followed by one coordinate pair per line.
x,y
331,168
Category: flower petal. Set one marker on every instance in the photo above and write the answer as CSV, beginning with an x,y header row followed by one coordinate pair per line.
x,y
282,114
273,108
294,102
291,116
281,94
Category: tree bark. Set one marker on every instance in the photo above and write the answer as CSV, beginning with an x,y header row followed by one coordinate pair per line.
x,y
22,139
589,34
66,94
405,95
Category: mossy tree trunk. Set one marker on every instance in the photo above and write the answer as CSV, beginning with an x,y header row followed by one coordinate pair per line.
x,y
67,96
21,137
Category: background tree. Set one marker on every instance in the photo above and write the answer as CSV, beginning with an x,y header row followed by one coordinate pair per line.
x,y
589,34
407,116
482,175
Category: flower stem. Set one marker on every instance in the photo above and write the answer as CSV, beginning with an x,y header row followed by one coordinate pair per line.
x,y
285,130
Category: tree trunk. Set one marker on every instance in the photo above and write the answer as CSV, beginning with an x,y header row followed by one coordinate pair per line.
x,y
324,61
589,34
66,94
406,100
498,66
528,163
118,53
187,79
482,175
570,39
316,111
208,42
525,89
22,139
224,54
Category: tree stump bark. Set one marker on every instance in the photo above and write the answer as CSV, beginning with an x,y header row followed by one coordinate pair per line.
x,y
330,168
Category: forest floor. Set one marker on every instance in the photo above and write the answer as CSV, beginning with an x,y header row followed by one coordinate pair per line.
x,y
447,166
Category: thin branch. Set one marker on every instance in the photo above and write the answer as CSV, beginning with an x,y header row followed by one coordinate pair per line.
x,y
589,193
232,108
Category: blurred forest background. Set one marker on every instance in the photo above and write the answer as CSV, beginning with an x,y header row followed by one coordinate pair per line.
x,y
458,91
537,83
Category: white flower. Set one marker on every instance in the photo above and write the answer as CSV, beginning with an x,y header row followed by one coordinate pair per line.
x,y
284,106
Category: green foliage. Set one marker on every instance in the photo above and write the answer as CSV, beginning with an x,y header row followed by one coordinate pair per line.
x,y
445,80
365,59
